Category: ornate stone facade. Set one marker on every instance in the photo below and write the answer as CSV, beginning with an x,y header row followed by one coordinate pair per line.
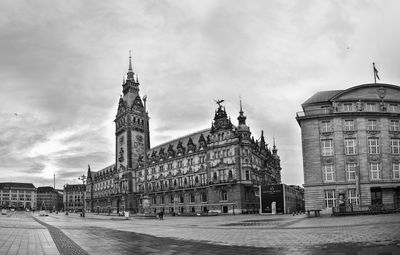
x,y
217,169
351,146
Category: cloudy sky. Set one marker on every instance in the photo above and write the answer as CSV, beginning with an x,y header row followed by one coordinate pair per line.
x,y
62,64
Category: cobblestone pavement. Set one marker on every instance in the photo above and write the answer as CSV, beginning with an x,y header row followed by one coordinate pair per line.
x,y
64,244
240,234
271,234
19,234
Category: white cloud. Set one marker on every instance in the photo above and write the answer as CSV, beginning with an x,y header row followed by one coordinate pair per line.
x,y
62,65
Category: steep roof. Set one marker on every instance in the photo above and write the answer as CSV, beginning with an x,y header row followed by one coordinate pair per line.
x,y
322,96
16,185
184,139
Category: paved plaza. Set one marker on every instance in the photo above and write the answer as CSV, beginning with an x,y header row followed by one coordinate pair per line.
x,y
28,233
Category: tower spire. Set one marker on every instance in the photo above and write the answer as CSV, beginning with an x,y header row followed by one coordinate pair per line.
x,y
241,110
274,149
130,61
130,74
241,118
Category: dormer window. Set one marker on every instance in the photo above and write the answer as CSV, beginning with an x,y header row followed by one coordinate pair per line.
x,y
392,107
325,109
370,107
348,107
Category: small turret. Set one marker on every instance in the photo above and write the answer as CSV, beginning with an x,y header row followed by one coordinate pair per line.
x,y
274,149
262,140
243,130
89,174
241,118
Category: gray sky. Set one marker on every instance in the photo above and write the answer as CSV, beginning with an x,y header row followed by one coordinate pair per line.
x,y
62,63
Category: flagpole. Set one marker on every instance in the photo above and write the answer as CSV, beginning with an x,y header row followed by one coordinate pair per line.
x,y
373,64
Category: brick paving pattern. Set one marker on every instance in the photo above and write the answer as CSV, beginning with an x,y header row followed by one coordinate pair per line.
x,y
64,244
240,234
21,235
277,234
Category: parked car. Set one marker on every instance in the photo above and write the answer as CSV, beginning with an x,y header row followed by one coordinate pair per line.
x,y
3,211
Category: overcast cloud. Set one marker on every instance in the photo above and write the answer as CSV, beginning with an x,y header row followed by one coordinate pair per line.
x,y
62,63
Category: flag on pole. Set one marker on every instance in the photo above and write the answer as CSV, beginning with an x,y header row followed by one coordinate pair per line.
x,y
375,73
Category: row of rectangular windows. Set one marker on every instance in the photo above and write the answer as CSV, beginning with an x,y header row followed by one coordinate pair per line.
x,y
350,146
329,174
223,196
330,198
348,125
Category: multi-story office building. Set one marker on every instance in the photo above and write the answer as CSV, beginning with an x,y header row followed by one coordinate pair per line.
x,y
17,195
213,169
351,146
49,198
74,197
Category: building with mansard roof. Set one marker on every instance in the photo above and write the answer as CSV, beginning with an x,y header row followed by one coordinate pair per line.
x,y
217,169
351,147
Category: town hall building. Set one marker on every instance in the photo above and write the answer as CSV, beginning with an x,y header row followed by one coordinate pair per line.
x,y
218,169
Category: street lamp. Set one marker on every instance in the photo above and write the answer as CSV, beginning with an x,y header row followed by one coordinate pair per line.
x,y
145,199
83,178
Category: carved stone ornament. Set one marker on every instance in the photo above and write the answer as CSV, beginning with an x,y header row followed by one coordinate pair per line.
x,y
396,160
351,159
349,133
329,133
121,155
360,106
382,92
328,160
395,134
372,132
374,158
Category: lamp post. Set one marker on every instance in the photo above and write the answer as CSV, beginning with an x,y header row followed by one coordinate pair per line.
x,y
83,178
145,199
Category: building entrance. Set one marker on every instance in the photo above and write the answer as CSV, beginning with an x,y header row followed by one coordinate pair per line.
x,y
376,196
396,197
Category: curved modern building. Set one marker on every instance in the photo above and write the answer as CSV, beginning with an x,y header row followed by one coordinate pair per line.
x,y
351,146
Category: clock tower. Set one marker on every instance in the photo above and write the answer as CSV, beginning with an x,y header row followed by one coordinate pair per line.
x,y
131,131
